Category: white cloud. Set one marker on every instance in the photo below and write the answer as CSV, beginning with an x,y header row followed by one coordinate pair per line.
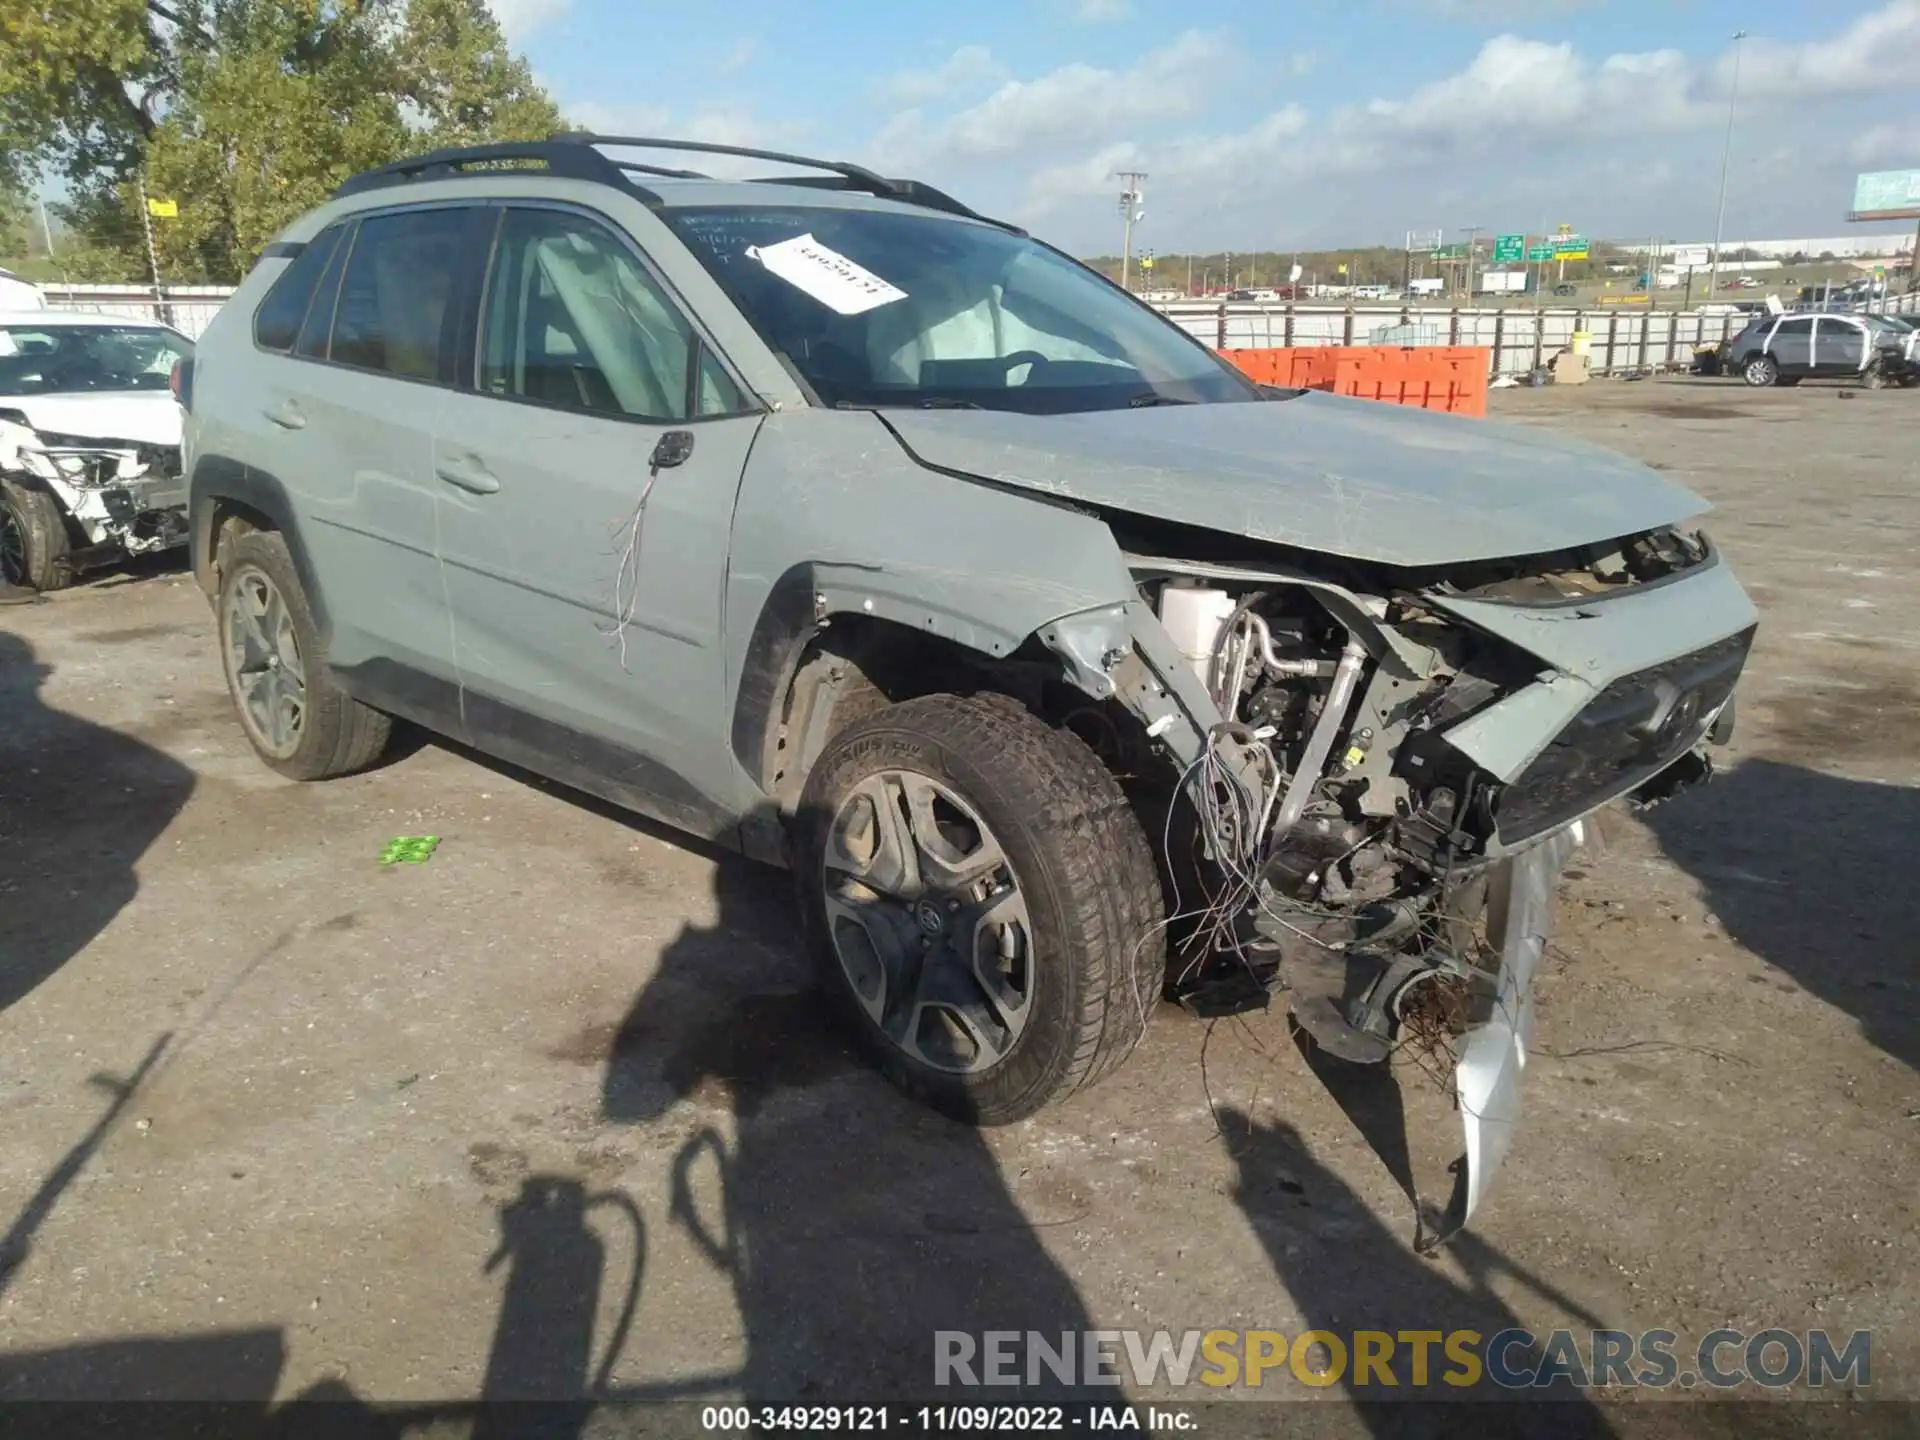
x,y
1525,130
1101,12
740,56
1075,104
520,18
968,71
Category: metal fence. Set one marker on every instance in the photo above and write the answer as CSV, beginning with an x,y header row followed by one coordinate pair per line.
x,y
188,308
1622,339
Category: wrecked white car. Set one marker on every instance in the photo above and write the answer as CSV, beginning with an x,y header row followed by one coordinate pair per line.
x,y
89,444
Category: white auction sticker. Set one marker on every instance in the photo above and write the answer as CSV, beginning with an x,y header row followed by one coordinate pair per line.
x,y
826,275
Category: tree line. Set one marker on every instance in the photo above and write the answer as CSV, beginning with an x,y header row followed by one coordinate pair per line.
x,y
241,113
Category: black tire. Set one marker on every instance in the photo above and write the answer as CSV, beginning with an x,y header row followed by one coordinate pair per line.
x,y
337,734
1760,371
1083,866
1874,378
33,539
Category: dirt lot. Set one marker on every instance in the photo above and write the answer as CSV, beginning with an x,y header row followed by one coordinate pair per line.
x,y
275,1118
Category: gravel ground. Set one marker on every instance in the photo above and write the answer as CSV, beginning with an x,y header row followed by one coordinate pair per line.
x,y
275,1120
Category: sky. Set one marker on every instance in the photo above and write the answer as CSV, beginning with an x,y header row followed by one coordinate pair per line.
x,y
1309,124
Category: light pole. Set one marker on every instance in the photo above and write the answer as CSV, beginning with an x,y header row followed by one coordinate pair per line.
x,y
1726,159
1129,212
1472,233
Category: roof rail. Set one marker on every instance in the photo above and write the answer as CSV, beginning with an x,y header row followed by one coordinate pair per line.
x,y
573,162
575,155
845,176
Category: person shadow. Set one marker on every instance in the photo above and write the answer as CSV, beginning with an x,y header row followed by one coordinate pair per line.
x,y
79,805
1347,1271
851,1222
1813,873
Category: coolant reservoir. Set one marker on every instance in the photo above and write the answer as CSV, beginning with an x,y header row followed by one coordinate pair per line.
x,y
1194,617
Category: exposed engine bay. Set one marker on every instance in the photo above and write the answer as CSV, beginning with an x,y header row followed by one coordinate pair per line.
x,y
1376,820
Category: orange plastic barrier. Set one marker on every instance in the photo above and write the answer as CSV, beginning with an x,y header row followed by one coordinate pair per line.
x,y
1431,377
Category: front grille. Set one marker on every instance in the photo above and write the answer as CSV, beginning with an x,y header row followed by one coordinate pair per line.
x,y
1632,730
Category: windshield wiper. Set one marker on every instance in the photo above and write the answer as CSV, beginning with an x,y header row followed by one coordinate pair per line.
x,y
1152,397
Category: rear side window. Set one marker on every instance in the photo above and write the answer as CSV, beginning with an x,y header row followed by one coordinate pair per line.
x,y
277,321
1793,327
393,307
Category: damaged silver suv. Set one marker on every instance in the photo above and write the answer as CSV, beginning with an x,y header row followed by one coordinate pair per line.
x,y
824,518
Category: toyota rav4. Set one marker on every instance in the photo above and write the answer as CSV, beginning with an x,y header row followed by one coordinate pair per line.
x,y
1063,666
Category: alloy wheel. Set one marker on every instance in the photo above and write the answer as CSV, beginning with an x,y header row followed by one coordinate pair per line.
x,y
264,663
928,922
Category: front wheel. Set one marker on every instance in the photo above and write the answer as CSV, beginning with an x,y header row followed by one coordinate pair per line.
x,y
1761,370
982,901
33,539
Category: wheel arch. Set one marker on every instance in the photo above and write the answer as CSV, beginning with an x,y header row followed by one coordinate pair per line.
x,y
227,498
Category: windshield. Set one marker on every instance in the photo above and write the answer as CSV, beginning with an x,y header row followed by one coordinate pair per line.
x,y
47,359
1892,324
876,308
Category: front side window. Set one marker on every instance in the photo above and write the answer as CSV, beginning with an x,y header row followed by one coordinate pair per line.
x,y
883,307
393,304
1791,328
42,359
573,319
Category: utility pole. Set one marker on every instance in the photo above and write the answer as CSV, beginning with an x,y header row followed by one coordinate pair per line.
x,y
1189,272
1726,160
160,311
1130,211
1473,241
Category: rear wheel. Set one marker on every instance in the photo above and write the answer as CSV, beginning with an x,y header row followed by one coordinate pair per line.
x,y
982,901
1760,370
33,539
299,721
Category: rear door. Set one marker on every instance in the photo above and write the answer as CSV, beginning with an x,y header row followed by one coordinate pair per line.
x,y
586,474
1839,346
1792,345
355,405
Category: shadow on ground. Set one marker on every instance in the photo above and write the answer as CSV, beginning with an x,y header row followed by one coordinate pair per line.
x,y
79,805
1814,874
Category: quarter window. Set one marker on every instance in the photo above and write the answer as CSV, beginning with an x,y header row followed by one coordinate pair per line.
x,y
573,319
277,321
393,305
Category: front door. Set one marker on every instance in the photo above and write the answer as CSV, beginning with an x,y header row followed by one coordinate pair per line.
x,y
586,480
1839,346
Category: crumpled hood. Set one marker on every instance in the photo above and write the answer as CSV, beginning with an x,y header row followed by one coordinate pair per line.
x,y
1355,478
145,417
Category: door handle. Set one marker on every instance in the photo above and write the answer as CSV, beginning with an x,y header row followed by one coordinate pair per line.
x,y
670,450
286,415
468,474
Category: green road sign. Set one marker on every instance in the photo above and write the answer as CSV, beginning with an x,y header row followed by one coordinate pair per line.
x,y
1539,252
1450,252
1570,247
1508,248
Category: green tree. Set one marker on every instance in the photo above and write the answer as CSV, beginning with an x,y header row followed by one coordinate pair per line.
x,y
244,113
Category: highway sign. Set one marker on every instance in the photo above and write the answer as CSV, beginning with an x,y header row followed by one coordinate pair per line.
x,y
1540,252
1570,247
1508,249
1450,252
1886,195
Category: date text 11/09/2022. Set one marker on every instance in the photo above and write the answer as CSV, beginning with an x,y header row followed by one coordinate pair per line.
x,y
925,1419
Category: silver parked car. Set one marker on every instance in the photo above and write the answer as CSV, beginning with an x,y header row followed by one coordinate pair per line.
x,y
824,518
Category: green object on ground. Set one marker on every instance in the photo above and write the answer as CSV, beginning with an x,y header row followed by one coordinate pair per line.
x,y
409,849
